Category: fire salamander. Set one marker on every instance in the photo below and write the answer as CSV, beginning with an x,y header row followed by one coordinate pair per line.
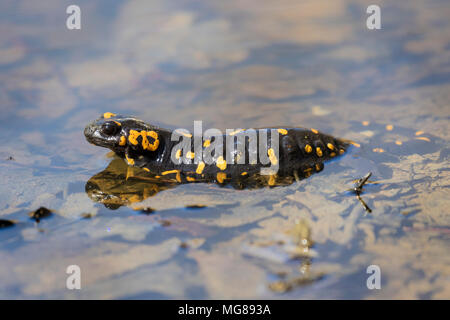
x,y
300,151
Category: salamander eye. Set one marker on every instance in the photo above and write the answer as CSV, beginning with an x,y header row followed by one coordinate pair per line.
x,y
110,128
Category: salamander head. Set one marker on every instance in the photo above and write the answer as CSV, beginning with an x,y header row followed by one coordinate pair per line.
x,y
123,134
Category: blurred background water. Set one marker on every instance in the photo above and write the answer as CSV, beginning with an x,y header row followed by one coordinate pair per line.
x,y
231,64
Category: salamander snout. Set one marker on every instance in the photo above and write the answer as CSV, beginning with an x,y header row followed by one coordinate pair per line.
x,y
89,131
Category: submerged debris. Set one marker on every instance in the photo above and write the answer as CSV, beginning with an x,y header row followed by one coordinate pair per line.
x,y
40,213
165,223
195,206
301,277
297,245
147,210
6,223
283,286
184,245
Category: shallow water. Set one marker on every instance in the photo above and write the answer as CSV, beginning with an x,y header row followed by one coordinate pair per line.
x,y
231,64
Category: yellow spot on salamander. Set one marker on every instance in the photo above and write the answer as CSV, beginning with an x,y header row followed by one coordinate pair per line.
x,y
398,142
221,176
365,123
283,131
418,133
190,179
221,163
236,131
318,168
333,154
129,160
151,146
157,177
341,151
146,169
145,142
330,146
307,170
272,180
272,156
355,144
308,148
185,134
122,141
190,155
169,172
207,143
319,152
379,150
178,176
200,167
118,123
423,138
314,130
178,154
389,127
244,173
108,115
132,137
146,145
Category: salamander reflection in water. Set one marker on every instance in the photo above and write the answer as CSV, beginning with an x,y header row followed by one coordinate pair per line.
x,y
119,184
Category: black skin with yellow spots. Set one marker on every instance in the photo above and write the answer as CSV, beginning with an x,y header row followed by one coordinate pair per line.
x,y
301,152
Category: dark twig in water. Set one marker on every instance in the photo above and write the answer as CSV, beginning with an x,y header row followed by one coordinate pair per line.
x,y
366,207
358,189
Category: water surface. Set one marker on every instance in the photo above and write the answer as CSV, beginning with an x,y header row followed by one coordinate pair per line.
x,y
231,64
